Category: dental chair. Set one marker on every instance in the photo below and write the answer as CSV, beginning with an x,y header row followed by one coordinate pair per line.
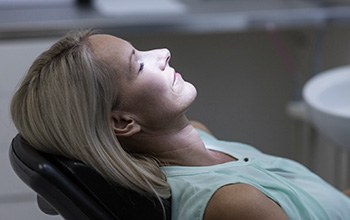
x,y
77,192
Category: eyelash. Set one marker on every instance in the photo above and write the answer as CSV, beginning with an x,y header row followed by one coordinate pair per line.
x,y
141,67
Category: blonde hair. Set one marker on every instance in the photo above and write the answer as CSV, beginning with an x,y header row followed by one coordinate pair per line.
x,y
63,106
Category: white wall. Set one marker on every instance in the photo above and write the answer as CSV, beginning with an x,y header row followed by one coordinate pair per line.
x,y
17,201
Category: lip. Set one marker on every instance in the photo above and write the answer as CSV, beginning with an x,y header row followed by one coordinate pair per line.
x,y
176,76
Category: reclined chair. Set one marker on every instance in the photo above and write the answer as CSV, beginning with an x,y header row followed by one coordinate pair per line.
x,y
76,191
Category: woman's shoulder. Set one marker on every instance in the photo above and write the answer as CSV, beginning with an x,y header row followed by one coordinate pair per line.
x,y
242,201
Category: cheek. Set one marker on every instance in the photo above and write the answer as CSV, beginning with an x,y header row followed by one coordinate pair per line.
x,y
154,89
148,95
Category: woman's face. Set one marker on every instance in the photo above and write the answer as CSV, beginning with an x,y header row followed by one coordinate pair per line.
x,y
148,86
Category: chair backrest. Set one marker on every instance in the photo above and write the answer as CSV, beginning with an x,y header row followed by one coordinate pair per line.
x,y
76,191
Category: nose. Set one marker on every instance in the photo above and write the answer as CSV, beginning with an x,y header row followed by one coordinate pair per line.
x,y
164,58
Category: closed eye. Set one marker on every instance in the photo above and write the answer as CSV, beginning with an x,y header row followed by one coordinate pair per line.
x,y
141,67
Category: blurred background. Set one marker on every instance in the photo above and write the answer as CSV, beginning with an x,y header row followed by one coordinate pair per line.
x,y
248,59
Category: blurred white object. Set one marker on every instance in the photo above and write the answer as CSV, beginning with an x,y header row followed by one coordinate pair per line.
x,y
328,99
139,7
33,3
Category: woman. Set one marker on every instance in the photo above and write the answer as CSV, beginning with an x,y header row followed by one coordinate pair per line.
x,y
123,110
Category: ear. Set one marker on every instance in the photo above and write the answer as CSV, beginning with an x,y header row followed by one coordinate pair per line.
x,y
124,125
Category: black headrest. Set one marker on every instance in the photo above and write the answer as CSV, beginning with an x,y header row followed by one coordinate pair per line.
x,y
67,183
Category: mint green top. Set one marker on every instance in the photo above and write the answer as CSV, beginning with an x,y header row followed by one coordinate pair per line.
x,y
300,193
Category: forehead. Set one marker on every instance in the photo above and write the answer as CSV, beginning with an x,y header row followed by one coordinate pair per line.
x,y
114,50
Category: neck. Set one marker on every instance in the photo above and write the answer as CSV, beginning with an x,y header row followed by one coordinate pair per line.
x,y
175,145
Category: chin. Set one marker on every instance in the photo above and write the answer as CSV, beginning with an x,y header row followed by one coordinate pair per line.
x,y
191,94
